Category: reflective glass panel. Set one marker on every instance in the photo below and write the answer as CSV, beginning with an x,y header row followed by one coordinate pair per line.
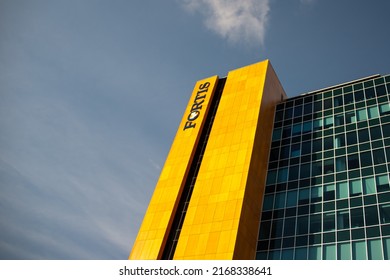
x,y
315,253
343,219
342,190
374,248
355,187
373,112
329,252
362,114
359,251
344,251
369,185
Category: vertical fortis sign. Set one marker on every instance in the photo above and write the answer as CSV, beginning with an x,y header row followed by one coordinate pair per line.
x,y
197,105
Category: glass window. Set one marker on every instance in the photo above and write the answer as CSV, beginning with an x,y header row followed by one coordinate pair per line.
x,y
328,166
353,161
350,117
329,221
344,251
362,114
357,219
373,112
265,229
359,250
285,152
292,198
379,156
386,248
359,95
293,173
351,138
375,133
297,111
279,116
355,187
384,109
380,90
282,175
316,194
315,223
341,164
343,219
288,114
268,202
277,228
371,214
374,248
317,106
328,143
364,136
329,192
302,225
329,252
317,124
317,146
348,98
274,155
316,168
369,185
287,254
328,122
342,190
296,150
386,130
384,210
306,148
286,132
370,93
305,171
382,183
339,140
301,254
304,196
327,103
276,134
307,126
315,253
274,255
339,120
365,159
308,108
297,129
280,200
338,101
271,177
289,226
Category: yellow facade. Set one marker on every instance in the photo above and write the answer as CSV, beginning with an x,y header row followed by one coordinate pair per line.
x,y
222,220
154,230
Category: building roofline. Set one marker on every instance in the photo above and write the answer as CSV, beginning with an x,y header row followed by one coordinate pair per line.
x,y
342,84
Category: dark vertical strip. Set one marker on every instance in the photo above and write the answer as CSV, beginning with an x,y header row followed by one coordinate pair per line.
x,y
181,211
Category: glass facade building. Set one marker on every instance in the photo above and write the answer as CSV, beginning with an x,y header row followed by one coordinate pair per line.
x,y
327,193
252,174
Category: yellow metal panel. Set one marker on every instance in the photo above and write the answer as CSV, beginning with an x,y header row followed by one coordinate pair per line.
x,y
224,211
155,227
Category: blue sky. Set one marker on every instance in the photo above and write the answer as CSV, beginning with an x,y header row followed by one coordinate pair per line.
x,y
92,92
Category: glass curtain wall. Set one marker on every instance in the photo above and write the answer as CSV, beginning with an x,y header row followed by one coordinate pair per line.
x,y
327,191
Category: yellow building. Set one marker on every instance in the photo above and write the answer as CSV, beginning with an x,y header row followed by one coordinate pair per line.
x,y
208,199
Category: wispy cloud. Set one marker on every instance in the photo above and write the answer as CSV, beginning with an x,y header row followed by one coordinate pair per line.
x,y
236,21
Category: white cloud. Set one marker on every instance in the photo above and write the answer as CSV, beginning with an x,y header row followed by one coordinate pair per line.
x,y
244,20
